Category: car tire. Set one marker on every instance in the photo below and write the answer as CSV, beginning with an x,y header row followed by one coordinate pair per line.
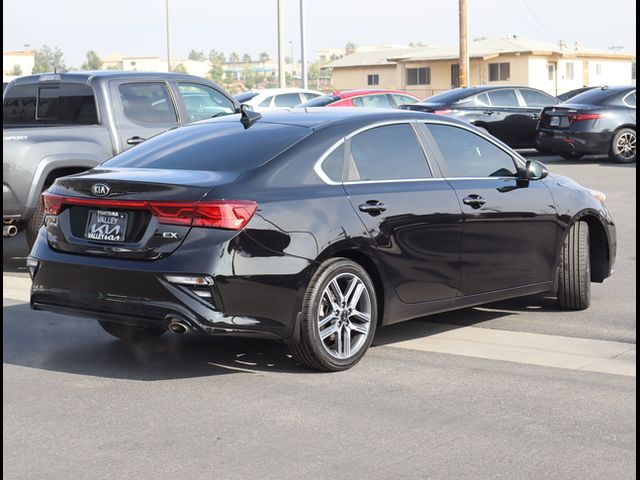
x,y
338,288
571,156
131,333
623,146
33,225
574,273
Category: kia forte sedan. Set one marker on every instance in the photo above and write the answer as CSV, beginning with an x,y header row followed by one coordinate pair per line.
x,y
315,228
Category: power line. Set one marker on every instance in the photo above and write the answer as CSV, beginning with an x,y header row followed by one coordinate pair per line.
x,y
553,37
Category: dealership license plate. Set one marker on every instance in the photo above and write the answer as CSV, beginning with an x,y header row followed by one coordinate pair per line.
x,y
554,122
106,226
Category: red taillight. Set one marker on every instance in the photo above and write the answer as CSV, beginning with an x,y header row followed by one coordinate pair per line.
x,y
442,112
581,117
227,214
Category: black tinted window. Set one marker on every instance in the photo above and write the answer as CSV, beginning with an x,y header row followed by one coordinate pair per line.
x,y
147,103
386,153
469,155
219,146
287,100
503,98
595,96
19,105
333,164
537,99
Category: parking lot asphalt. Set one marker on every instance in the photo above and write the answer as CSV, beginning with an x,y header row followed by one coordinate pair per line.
x,y
515,389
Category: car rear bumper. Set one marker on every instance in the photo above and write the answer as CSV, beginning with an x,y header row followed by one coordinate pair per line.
x,y
566,141
137,292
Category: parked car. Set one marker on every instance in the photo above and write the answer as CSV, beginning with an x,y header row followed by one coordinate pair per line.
x,y
63,123
599,121
376,98
271,98
572,93
508,113
313,227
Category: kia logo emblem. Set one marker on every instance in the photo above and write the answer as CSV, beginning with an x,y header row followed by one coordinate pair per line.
x,y
100,189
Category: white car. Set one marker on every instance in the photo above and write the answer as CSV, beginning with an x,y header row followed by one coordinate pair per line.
x,y
276,97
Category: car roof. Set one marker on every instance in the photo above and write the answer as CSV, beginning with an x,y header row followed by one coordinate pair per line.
x,y
320,117
367,91
87,76
278,91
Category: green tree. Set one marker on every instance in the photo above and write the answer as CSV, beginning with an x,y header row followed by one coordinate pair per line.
x,y
249,77
246,59
93,61
16,71
197,56
264,58
180,68
216,70
350,47
47,59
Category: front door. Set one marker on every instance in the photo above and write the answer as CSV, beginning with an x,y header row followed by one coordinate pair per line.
x,y
509,231
410,212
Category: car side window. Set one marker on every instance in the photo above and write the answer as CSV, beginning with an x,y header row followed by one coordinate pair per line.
x,y
266,102
333,164
505,97
147,102
373,101
630,100
390,152
287,100
482,100
201,101
466,154
537,99
309,96
402,99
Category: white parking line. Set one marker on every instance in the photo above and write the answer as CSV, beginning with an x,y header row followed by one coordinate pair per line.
x,y
530,348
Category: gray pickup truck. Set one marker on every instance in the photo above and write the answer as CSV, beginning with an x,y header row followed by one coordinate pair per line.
x,y
58,124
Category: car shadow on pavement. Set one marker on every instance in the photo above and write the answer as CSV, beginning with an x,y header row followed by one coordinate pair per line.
x,y
554,159
14,254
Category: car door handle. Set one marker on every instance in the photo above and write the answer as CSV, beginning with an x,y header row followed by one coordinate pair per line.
x,y
372,207
474,201
135,140
535,116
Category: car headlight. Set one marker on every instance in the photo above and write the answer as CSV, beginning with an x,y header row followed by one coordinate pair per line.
x,y
598,195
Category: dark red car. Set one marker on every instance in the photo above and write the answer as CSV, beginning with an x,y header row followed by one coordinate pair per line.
x,y
369,98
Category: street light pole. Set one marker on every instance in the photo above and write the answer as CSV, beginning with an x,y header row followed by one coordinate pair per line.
x,y
168,37
464,45
303,54
281,75
293,64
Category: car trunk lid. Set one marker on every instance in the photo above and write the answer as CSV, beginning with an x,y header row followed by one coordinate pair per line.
x,y
562,117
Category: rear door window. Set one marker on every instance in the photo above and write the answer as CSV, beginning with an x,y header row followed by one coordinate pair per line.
x,y
391,152
504,98
287,100
147,102
373,101
19,105
535,99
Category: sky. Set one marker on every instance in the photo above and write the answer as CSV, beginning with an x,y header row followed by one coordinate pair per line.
x,y
138,27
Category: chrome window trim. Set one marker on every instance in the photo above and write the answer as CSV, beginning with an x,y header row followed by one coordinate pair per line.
x,y
411,122
624,99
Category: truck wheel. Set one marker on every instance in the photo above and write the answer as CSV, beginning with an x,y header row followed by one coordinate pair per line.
x,y
33,225
130,333
574,279
339,317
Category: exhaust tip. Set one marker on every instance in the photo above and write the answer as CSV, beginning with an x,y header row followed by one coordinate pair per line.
x,y
9,231
179,327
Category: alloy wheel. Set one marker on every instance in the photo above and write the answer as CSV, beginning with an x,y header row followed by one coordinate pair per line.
x,y
626,145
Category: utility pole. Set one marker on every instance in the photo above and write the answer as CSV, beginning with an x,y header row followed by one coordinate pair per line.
x,y
463,78
303,54
168,38
281,75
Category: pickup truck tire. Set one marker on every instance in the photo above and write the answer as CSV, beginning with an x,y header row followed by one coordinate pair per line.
x,y
130,333
33,225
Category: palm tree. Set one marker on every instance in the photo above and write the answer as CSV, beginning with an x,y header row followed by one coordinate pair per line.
x,y
234,58
264,58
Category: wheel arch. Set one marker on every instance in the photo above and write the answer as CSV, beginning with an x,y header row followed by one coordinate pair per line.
x,y
599,247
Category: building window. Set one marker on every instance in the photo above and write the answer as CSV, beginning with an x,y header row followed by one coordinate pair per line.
x,y
419,76
499,71
598,69
551,72
569,71
373,79
455,75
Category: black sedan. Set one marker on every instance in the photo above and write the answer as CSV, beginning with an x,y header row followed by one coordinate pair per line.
x,y
508,113
598,121
313,227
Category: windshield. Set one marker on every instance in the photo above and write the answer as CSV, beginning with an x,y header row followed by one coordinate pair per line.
x,y
322,101
595,96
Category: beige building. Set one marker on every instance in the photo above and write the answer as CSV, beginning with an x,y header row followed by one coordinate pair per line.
x,y
509,61
17,63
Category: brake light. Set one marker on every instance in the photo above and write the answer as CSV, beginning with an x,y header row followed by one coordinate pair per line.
x,y
581,117
227,214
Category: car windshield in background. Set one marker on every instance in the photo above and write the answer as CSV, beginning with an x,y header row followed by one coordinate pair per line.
x,y
596,96
322,101
246,96
215,147
449,96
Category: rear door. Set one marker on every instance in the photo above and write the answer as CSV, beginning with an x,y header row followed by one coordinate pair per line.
x,y
534,101
410,212
510,226
506,119
143,110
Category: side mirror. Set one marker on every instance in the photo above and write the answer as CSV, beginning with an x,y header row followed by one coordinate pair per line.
x,y
246,106
535,170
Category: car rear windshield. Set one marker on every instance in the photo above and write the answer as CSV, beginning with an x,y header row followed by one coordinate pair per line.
x,y
223,146
449,96
49,104
596,96
322,101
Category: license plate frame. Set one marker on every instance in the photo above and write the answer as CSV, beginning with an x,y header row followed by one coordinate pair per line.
x,y
554,121
106,226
